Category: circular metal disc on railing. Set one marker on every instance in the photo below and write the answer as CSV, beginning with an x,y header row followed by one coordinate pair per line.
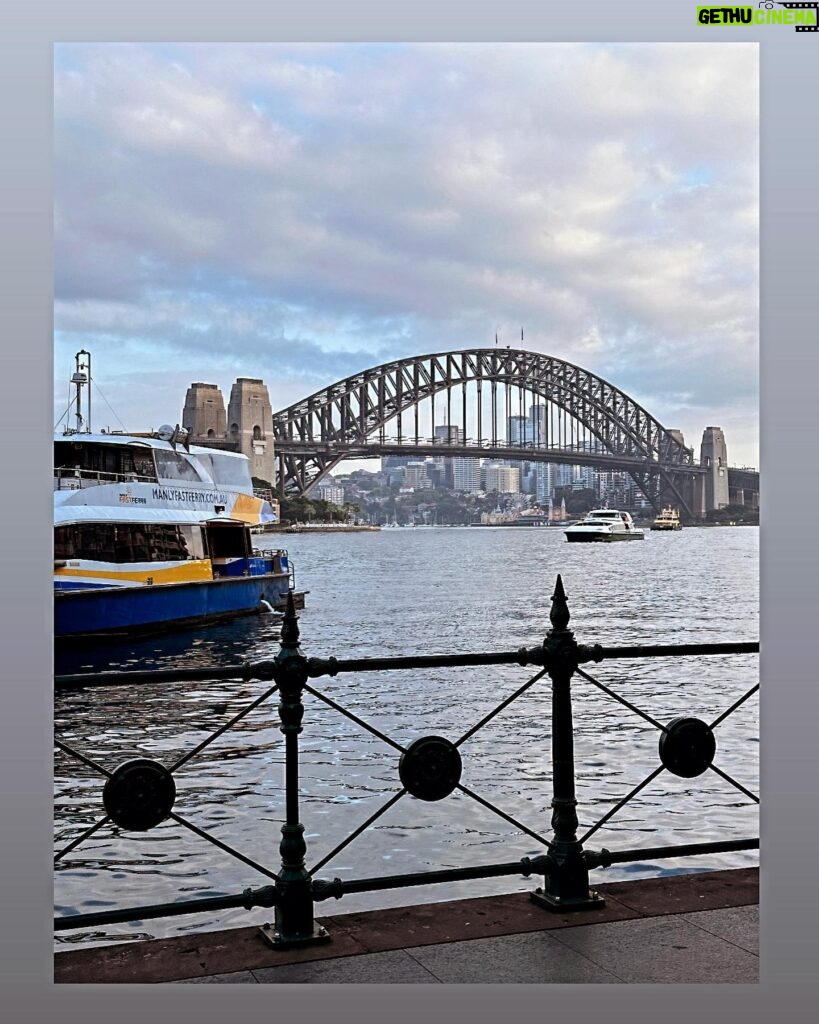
x,y
139,794
687,747
430,768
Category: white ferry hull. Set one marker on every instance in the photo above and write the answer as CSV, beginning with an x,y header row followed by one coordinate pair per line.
x,y
603,526
588,537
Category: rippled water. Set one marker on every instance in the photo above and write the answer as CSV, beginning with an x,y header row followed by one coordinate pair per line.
x,y
421,591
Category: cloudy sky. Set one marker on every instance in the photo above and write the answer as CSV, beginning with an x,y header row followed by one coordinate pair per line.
x,y
300,212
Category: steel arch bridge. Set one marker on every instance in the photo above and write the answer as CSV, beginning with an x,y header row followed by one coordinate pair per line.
x,y
501,403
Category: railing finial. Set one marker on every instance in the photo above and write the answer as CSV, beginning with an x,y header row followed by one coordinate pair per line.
x,y
559,615
290,623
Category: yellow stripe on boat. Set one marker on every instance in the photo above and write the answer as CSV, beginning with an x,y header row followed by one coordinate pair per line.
x,y
248,509
183,572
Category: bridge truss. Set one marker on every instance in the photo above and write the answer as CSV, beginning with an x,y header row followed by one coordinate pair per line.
x,y
498,403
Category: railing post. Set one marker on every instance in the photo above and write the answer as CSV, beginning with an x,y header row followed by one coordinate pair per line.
x,y
294,923
566,884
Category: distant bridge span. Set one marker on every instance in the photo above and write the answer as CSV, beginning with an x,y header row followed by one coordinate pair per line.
x,y
465,404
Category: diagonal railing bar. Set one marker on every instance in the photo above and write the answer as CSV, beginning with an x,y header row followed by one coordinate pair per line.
x,y
622,803
353,718
619,699
81,757
502,814
222,846
733,707
500,707
354,835
734,782
223,729
81,839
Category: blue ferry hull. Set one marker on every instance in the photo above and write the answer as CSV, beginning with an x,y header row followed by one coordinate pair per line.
x,y
103,611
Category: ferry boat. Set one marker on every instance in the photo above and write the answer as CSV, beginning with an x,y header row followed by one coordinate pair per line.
x,y
604,524
668,519
151,533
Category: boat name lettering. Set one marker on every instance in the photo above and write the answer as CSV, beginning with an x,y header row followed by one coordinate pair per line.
x,y
129,499
171,494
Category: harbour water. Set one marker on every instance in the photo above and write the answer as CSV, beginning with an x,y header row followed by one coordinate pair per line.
x,y
420,591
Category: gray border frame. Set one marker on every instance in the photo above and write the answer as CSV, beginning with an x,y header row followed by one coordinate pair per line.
x,y
789,71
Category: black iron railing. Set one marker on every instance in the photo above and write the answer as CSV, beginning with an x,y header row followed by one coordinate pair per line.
x,y
141,793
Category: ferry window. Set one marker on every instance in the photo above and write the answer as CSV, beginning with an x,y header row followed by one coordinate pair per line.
x,y
142,463
227,542
96,541
140,547
167,543
194,541
230,471
64,542
174,466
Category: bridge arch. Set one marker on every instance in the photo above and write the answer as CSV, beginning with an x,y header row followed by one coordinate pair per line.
x,y
608,428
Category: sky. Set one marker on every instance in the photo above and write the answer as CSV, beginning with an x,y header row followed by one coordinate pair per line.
x,y
301,212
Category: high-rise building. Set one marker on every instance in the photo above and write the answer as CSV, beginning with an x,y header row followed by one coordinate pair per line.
x,y
502,478
447,435
416,476
466,475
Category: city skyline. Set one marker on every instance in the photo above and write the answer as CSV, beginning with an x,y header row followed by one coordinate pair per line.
x,y
299,213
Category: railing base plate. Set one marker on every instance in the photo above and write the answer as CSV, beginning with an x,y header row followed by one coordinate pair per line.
x,y
275,939
555,904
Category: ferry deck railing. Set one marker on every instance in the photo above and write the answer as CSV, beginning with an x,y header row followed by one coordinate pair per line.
x,y
68,478
140,794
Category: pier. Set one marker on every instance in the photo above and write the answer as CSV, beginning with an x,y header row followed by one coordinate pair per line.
x,y
702,927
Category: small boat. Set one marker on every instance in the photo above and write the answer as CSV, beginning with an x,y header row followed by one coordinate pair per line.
x,y
668,519
151,533
604,524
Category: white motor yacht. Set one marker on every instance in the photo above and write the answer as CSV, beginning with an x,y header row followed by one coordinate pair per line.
x,y
604,524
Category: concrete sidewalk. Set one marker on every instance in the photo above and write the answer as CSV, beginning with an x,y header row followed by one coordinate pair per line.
x,y
694,928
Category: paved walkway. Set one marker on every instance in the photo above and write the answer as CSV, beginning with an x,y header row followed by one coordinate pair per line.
x,y
694,928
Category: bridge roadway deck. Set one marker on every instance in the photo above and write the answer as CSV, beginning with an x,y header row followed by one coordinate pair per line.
x,y
695,928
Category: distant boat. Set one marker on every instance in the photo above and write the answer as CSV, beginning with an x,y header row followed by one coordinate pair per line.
x,y
332,528
668,519
604,525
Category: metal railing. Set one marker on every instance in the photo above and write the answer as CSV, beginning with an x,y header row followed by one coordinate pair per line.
x,y
74,479
140,794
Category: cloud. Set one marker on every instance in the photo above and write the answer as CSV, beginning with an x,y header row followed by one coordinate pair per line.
x,y
219,208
